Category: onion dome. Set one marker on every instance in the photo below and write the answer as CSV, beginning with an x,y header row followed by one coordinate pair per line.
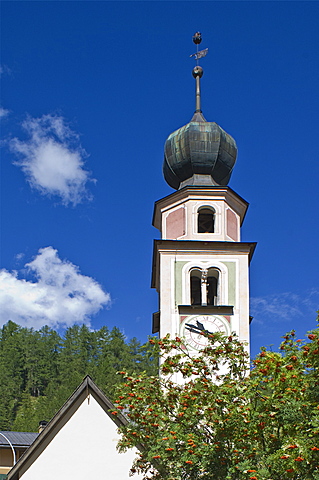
x,y
200,152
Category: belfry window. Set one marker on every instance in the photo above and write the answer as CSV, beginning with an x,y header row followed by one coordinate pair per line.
x,y
205,220
204,288
212,286
196,287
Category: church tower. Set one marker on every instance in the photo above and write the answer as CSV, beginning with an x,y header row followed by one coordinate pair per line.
x,y
200,265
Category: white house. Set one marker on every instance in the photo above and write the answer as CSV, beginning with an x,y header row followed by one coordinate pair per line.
x,y
79,442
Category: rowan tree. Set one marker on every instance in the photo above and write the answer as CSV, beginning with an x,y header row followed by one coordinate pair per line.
x,y
258,424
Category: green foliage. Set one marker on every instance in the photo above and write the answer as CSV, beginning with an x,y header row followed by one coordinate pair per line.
x,y
39,370
257,425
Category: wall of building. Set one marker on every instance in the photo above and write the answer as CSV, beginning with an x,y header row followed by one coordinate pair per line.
x,y
84,448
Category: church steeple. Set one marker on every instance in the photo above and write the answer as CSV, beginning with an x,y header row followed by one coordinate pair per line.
x,y
200,152
200,265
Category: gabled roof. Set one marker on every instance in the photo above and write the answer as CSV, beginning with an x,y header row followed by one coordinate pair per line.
x,y
85,389
18,439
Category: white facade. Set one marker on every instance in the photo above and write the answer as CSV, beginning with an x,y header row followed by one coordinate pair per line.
x,y
185,251
84,448
79,443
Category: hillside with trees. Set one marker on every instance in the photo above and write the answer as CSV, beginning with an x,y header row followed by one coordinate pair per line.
x,y
255,422
39,369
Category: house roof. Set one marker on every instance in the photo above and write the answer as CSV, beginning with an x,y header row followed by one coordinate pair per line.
x,y
85,389
18,439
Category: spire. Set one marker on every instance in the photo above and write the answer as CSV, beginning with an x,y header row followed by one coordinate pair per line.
x,y
199,153
197,74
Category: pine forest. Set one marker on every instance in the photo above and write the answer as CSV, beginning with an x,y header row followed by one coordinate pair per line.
x,y
39,369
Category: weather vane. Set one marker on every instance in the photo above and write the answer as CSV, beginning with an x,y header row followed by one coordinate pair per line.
x,y
198,71
197,38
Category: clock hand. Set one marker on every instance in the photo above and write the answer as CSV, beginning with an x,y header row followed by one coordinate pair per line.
x,y
192,328
196,329
200,325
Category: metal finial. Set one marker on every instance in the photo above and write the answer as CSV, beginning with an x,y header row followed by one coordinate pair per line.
x,y
197,38
198,71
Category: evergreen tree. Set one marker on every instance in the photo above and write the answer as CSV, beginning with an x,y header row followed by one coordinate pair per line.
x,y
11,372
39,370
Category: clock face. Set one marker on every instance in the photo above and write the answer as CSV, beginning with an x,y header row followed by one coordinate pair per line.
x,y
192,327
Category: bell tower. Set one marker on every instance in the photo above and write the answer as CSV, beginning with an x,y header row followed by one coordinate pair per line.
x,y
200,265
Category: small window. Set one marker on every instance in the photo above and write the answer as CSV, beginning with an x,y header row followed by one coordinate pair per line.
x,y
196,287
206,220
204,287
212,286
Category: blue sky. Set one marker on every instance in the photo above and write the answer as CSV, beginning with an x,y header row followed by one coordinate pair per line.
x,y
90,92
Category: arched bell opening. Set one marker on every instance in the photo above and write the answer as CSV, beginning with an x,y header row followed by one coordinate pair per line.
x,y
212,286
196,287
206,220
204,286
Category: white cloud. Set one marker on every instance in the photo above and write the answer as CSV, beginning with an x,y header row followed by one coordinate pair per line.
x,y
284,306
19,256
3,112
4,70
52,159
59,296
